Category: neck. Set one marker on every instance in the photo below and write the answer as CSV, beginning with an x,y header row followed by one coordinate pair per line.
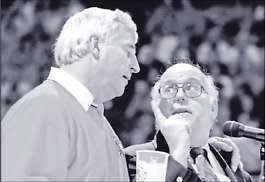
x,y
89,78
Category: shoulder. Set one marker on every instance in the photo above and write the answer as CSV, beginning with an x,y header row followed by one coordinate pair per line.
x,y
49,92
44,101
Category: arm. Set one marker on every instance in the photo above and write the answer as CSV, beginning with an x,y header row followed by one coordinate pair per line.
x,y
175,130
230,153
174,168
173,137
225,145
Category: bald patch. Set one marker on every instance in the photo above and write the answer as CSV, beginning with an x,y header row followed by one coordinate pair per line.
x,y
182,71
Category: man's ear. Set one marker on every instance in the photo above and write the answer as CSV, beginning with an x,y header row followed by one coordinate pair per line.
x,y
94,41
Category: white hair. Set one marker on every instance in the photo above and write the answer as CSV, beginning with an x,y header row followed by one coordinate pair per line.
x,y
72,43
213,92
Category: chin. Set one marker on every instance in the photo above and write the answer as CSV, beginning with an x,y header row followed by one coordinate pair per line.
x,y
119,92
119,95
115,91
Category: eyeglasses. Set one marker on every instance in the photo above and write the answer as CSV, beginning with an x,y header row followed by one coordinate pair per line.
x,y
190,89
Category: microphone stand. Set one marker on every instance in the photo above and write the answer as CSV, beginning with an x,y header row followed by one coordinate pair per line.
x,y
262,158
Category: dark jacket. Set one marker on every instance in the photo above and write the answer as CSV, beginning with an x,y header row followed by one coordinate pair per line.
x,y
175,169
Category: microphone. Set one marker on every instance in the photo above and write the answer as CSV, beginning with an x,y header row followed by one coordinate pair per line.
x,y
235,129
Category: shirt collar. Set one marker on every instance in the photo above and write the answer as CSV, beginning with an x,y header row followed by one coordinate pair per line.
x,y
73,86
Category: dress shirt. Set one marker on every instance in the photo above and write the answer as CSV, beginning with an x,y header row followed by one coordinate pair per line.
x,y
72,85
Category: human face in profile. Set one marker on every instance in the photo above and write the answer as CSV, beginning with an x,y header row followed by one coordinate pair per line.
x,y
120,62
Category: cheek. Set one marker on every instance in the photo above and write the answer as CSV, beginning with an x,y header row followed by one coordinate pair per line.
x,y
112,66
110,54
203,108
166,108
199,106
116,62
202,116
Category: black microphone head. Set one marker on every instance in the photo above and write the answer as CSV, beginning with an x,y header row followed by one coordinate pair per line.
x,y
232,128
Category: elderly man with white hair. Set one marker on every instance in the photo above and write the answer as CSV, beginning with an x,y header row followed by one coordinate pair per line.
x,y
57,132
185,105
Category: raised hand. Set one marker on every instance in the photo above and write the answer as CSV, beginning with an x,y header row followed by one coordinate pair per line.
x,y
175,129
227,145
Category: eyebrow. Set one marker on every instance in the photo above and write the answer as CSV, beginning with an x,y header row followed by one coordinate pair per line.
x,y
130,46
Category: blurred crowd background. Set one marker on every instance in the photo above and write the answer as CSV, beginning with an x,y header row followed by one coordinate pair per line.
x,y
225,37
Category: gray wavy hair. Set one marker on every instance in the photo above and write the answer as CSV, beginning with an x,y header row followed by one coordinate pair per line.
x,y
72,43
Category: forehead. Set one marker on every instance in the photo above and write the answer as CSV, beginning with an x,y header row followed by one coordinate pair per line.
x,y
125,36
182,72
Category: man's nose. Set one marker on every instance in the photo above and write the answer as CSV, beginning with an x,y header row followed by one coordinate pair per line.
x,y
180,96
134,65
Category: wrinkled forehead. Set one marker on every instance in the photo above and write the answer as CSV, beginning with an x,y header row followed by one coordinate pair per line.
x,y
181,73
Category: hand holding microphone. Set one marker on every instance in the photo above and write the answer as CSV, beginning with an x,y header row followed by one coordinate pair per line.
x,y
226,144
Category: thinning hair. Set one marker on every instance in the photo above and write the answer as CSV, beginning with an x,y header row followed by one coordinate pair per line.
x,y
211,88
73,41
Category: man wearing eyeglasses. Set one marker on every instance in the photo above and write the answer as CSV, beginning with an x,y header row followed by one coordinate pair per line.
x,y
185,104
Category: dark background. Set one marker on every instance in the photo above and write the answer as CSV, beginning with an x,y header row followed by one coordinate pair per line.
x,y
225,37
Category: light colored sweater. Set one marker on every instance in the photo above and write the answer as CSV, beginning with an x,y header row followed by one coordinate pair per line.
x,y
48,136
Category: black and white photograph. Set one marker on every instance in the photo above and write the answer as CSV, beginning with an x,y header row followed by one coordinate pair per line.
x,y
90,87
